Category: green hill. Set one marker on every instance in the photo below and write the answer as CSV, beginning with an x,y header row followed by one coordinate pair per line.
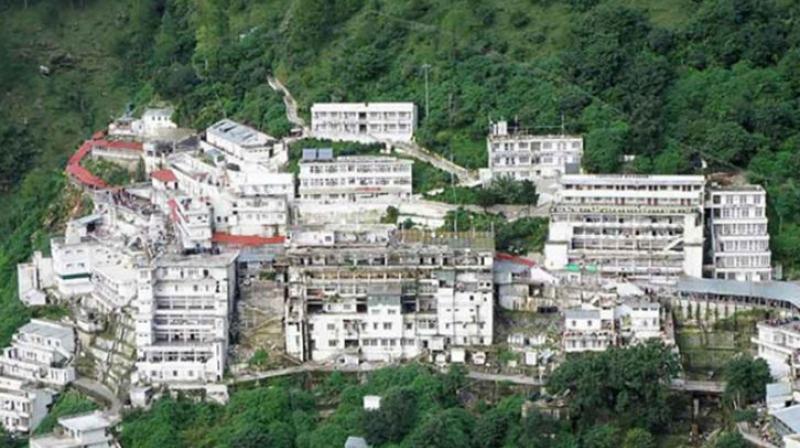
x,y
674,82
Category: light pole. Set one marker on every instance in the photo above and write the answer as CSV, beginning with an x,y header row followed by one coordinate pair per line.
x,y
426,67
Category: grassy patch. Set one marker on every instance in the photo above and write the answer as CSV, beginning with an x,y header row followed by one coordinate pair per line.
x,y
68,403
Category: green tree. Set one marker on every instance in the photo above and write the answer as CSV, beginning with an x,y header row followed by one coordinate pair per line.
x,y
445,429
746,380
490,429
632,383
638,438
394,419
730,440
601,436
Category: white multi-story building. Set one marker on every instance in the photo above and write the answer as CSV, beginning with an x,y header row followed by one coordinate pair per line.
x,y
364,122
242,144
778,343
640,320
41,351
153,122
33,278
184,306
22,407
92,430
73,255
193,221
353,178
738,237
523,156
113,281
589,330
245,201
384,295
643,228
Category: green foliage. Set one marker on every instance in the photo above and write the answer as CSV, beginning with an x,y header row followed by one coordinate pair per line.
x,y
505,190
391,215
447,428
630,383
259,358
638,438
516,237
68,403
396,417
746,380
110,172
730,440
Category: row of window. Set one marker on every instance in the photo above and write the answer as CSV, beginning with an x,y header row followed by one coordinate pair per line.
x,y
526,145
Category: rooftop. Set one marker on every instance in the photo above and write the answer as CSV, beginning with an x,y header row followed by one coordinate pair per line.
x,y
778,389
199,260
773,290
47,329
86,422
164,176
631,179
390,105
239,133
790,417
582,314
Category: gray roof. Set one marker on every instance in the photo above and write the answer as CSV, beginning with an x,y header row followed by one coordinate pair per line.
x,y
790,417
85,422
317,154
781,291
356,442
582,314
778,389
238,133
48,329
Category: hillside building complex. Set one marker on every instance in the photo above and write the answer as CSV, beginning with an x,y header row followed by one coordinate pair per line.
x,y
327,179
384,295
520,155
364,122
738,241
183,310
645,228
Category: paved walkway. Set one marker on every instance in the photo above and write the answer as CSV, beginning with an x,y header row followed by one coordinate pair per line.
x,y
711,387
292,113
99,392
465,176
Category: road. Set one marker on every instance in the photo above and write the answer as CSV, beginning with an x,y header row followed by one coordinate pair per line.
x,y
99,392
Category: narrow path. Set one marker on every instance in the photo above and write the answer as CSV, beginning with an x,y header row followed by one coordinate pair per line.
x,y
99,392
751,438
292,113
465,177
711,387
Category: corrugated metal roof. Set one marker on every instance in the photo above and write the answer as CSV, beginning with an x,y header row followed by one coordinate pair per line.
x,y
782,291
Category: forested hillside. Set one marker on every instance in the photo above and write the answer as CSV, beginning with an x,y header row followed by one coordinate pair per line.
x,y
674,82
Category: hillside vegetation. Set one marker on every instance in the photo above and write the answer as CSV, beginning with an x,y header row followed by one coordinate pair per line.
x,y
674,82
